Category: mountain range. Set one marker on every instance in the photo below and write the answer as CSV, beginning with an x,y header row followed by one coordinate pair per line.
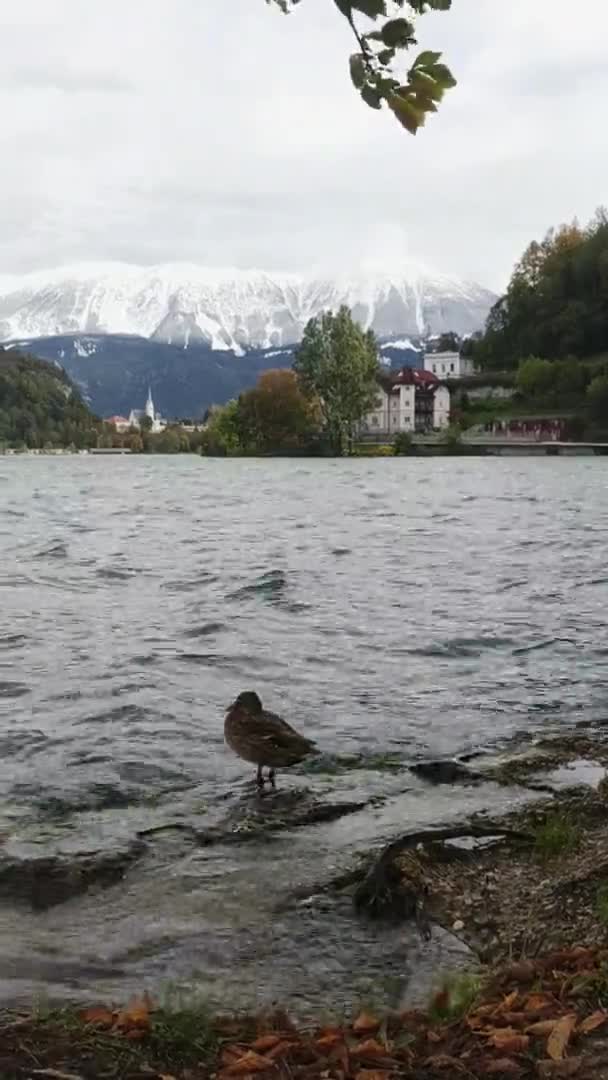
x,y
231,309
198,336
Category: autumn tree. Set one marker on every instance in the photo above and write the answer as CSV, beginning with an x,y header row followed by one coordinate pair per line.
x,y
337,363
276,415
374,67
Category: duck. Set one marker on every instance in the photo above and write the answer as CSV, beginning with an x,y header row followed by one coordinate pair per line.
x,y
263,738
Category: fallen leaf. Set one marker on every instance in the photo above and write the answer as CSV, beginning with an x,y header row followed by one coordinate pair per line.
x,y
551,1070
560,1037
501,1067
370,1048
98,1016
444,1061
265,1042
521,971
230,1054
135,1015
250,1062
509,1040
538,1003
372,1074
590,1023
365,1024
280,1050
509,1001
327,1042
541,1027
441,1000
166,1076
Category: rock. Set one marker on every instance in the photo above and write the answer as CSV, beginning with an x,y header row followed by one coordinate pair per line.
x,y
458,925
53,879
444,772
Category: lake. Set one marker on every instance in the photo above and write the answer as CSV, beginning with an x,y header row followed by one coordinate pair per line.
x,y
392,609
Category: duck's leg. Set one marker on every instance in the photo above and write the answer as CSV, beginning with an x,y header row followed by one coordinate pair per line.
x,y
271,778
260,778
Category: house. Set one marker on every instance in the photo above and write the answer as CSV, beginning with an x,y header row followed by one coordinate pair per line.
x,y
409,400
448,365
119,422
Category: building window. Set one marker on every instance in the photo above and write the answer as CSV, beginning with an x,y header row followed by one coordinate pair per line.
x,y
451,367
374,421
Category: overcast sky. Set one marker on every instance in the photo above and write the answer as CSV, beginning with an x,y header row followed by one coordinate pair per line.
x,y
223,133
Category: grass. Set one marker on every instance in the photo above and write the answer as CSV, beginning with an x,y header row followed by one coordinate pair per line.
x,y
557,835
601,903
457,994
180,1035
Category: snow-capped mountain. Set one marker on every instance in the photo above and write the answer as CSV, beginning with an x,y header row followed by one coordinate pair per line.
x,y
180,304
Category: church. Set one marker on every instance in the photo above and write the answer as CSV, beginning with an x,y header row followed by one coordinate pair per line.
x,y
137,415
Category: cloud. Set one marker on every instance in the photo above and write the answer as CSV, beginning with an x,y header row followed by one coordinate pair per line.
x,y
230,134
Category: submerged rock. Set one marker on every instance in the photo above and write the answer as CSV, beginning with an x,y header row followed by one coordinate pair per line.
x,y
44,882
444,772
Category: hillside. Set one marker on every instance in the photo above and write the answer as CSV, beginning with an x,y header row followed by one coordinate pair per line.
x,y
39,406
113,371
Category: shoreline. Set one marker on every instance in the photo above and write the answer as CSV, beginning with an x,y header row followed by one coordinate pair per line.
x,y
526,893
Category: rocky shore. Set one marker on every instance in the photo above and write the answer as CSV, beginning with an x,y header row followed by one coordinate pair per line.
x,y
526,893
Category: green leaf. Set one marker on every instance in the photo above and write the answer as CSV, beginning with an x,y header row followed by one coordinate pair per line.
x,y
372,8
427,59
358,71
385,56
371,96
397,33
410,115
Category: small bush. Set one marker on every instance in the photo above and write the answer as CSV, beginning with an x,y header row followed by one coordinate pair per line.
x,y
455,997
402,444
557,835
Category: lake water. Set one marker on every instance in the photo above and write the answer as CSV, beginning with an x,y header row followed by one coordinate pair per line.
x,y
393,609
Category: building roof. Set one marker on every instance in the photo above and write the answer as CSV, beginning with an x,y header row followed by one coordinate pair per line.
x,y
116,420
424,380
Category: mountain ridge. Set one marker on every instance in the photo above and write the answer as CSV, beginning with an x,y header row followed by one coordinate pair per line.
x,y
232,310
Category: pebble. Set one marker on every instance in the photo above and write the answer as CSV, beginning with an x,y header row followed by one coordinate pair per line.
x,y
458,925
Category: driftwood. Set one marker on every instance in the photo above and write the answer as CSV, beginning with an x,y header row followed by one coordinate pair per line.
x,y
389,891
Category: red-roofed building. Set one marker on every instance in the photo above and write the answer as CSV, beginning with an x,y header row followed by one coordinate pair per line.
x,y
120,422
409,400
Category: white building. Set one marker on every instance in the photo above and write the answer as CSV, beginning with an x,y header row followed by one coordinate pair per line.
x,y
408,400
136,415
448,365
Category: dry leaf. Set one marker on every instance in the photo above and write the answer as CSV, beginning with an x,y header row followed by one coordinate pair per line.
x,y
327,1042
135,1015
370,1048
249,1063
590,1023
444,1061
280,1050
560,1037
509,1040
265,1042
98,1016
509,1001
501,1067
551,1070
521,971
538,1003
167,1076
365,1024
372,1074
542,1028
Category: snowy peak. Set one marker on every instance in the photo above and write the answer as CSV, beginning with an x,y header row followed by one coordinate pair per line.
x,y
232,309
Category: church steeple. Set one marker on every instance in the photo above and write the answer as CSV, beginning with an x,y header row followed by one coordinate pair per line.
x,y
149,410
